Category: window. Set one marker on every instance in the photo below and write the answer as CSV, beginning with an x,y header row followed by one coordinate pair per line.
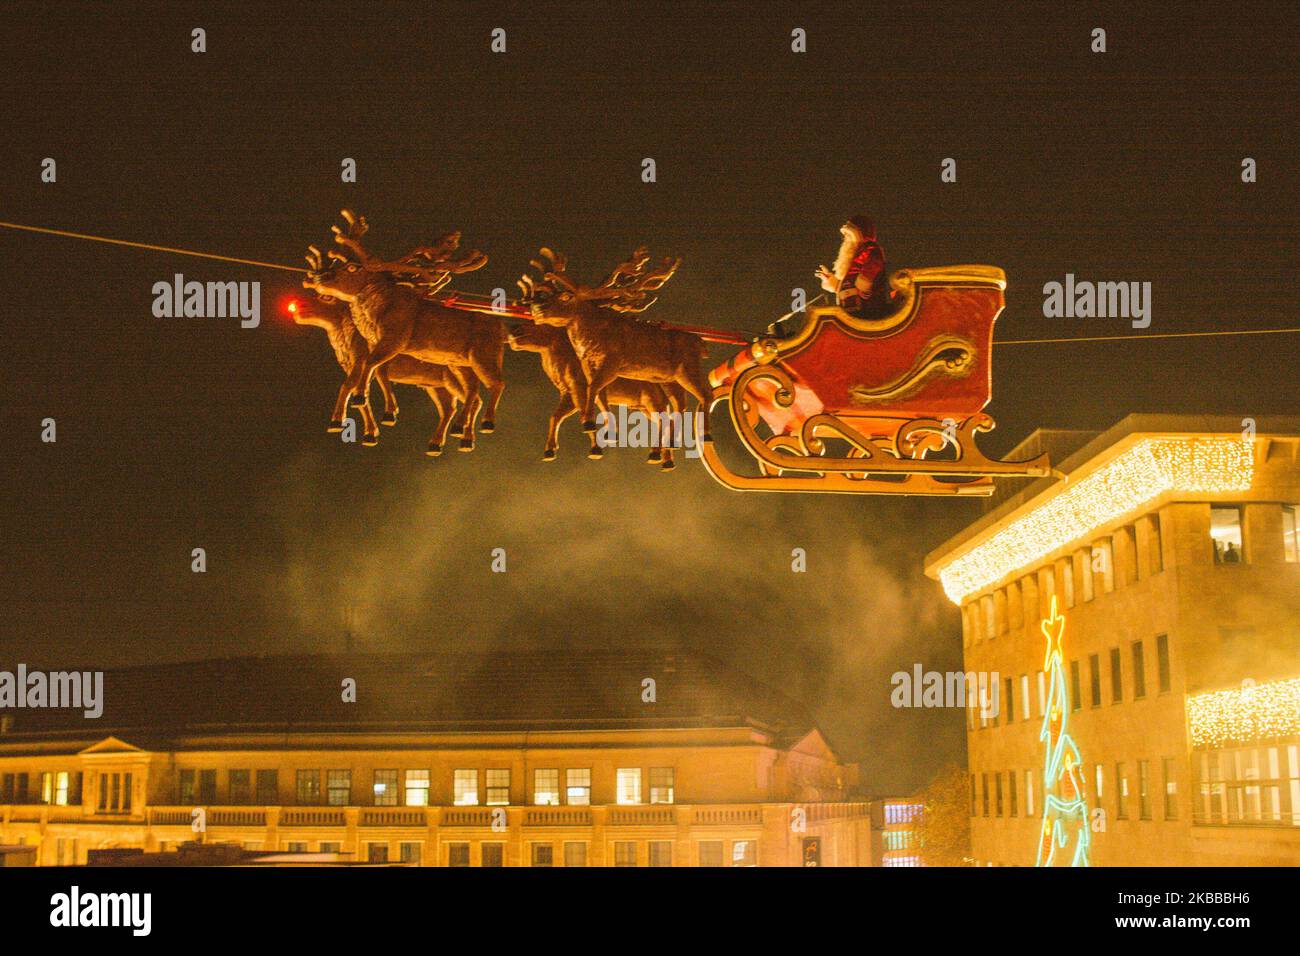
x,y
492,854
329,846
1225,533
1076,696
1042,692
268,787
384,788
1121,791
974,796
575,853
744,853
376,852
988,625
409,853
1094,679
661,852
1139,672
577,787
1162,662
997,800
308,787
240,782
1144,789
1010,684
1116,677
296,846
543,854
1024,696
1015,607
1130,567
1103,563
1155,544
629,785
985,802
458,854
417,788
338,788
546,788
464,788
1011,784
1171,789
661,784
207,787
1098,781
1066,567
1029,793
1290,539
498,788
188,789
1085,562
114,792
711,850
624,853
74,791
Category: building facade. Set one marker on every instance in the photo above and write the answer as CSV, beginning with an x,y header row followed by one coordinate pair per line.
x,y
1171,551
614,760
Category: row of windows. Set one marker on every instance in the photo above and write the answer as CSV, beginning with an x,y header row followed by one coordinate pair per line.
x,y
59,788
1230,544
1248,785
997,794
1015,703
574,852
411,788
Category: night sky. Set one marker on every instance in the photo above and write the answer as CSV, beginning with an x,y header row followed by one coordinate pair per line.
x,y
183,433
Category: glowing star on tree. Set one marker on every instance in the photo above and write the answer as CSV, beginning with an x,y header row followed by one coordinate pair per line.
x,y
1065,811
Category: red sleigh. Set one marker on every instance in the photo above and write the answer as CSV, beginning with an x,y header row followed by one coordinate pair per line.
x,y
874,406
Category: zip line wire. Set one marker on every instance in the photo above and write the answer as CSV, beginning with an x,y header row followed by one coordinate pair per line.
x,y
276,265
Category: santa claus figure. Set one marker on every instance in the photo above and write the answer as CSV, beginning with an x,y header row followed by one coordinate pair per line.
x,y
858,281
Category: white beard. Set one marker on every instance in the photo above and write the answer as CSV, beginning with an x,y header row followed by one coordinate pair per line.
x,y
844,258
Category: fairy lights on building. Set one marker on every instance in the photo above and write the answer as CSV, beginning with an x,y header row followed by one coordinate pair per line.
x,y
1252,712
1149,469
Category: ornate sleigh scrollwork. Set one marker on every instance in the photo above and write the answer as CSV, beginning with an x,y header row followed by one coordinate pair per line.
x,y
891,406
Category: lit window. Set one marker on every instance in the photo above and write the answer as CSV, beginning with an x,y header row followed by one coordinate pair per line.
x,y
744,853
577,786
417,788
624,853
546,788
338,787
1024,697
661,784
464,789
661,853
575,853
1098,781
1121,792
61,788
308,787
498,788
1171,790
1042,692
385,788
1290,539
629,785
1225,532
1144,789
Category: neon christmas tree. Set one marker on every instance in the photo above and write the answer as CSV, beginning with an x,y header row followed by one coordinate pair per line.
x,y
1065,811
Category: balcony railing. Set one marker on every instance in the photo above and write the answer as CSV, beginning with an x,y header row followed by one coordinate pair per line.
x,y
654,816
394,817
312,817
557,817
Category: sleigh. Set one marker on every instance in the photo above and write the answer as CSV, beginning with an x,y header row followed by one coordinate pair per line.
x,y
887,405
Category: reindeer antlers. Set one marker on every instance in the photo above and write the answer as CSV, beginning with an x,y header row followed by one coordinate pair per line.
x,y
426,267
624,290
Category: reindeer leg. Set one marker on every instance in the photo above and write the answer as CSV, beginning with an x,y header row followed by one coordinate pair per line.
x,y
562,411
697,383
462,386
489,374
369,430
390,398
444,403
384,351
598,380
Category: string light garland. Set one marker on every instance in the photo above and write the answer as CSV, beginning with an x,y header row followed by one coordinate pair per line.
x,y
1244,714
1138,476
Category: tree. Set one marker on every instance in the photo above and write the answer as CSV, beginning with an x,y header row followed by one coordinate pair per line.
x,y
943,830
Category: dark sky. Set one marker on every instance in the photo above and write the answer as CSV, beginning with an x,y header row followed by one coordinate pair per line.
x,y
175,434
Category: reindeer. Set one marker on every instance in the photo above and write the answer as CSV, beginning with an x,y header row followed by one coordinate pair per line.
x,y
608,344
562,367
445,386
391,308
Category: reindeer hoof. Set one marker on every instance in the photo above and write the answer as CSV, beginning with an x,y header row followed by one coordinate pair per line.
x,y
707,437
369,441
356,401
655,456
467,444
334,427
548,455
456,431
589,427
434,450
388,418
596,453
668,465
488,427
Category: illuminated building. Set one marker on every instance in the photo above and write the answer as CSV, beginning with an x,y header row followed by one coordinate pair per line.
x,y
1172,552
893,827
525,759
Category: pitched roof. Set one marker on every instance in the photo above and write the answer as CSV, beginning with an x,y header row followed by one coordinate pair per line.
x,y
506,691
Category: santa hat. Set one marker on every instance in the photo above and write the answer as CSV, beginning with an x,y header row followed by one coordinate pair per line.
x,y
865,225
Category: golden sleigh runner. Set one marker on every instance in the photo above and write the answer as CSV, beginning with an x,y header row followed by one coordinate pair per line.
x,y
874,406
